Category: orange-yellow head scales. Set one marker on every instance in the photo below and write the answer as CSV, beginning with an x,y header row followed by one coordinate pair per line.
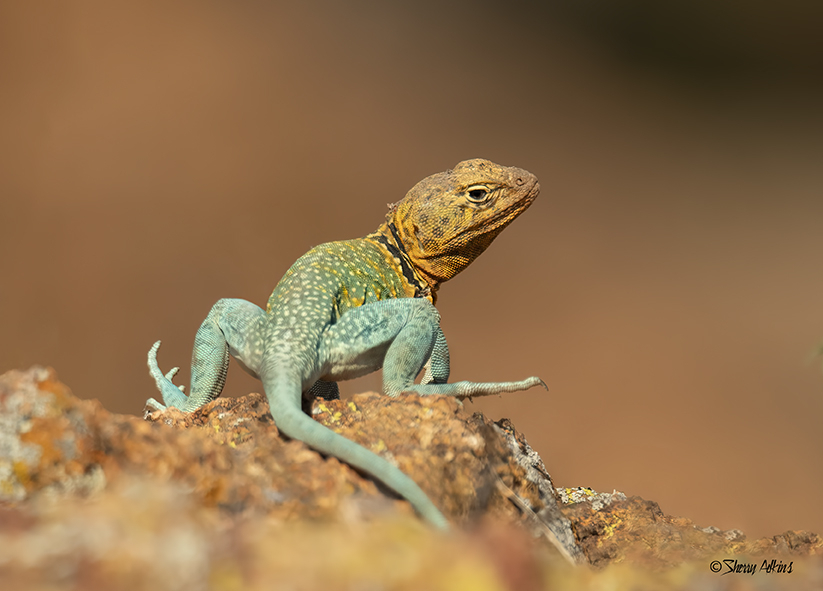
x,y
448,219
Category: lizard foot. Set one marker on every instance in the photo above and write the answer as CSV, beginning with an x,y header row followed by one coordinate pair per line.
x,y
470,389
151,405
172,394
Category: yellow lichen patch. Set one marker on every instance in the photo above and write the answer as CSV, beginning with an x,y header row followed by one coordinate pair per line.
x,y
352,406
21,472
611,527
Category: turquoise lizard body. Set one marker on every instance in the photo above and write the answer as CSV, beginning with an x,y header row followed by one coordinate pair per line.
x,y
348,308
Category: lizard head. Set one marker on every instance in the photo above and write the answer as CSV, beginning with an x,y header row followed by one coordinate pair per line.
x,y
446,220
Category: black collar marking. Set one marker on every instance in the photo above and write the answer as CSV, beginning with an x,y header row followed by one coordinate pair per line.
x,y
421,289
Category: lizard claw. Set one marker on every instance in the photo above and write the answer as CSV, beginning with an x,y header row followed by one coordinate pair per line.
x,y
152,405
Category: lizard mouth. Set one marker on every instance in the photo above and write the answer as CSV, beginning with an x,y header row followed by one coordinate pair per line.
x,y
517,206
534,191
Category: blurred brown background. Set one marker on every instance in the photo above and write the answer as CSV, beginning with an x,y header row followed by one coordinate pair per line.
x,y
156,156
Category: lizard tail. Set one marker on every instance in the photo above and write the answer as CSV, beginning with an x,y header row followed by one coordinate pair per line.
x,y
290,420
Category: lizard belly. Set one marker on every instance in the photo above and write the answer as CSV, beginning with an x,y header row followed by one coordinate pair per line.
x,y
348,365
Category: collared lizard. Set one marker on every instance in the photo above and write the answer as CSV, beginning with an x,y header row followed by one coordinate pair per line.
x,y
348,308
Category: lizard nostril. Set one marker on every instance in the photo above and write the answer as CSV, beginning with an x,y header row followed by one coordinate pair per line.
x,y
520,181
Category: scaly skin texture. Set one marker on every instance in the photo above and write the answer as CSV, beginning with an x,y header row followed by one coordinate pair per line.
x,y
348,308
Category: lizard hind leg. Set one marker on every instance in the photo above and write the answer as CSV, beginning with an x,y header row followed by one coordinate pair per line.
x,y
402,336
401,332
233,326
398,375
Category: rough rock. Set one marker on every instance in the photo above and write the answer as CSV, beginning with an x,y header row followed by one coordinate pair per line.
x,y
218,499
230,455
613,529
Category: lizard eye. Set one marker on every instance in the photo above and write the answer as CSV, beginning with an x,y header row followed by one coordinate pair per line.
x,y
478,193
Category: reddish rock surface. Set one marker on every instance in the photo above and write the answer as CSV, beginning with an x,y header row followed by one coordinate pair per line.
x,y
230,455
217,499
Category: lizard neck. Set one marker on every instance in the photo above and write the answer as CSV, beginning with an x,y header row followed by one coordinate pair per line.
x,y
423,285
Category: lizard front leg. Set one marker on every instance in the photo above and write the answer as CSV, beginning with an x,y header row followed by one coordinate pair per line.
x,y
232,327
